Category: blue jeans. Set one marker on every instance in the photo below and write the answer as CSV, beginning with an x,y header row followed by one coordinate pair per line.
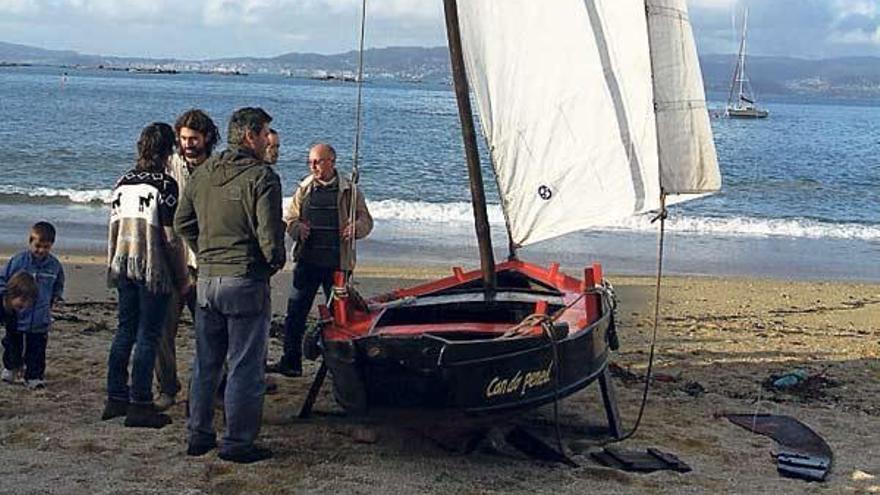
x,y
141,315
232,326
306,280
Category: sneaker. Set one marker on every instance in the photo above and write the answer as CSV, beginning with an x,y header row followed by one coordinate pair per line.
x,y
282,368
199,449
145,416
164,402
8,376
114,409
35,384
247,456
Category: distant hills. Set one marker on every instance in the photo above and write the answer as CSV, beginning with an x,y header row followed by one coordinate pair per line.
x,y
853,77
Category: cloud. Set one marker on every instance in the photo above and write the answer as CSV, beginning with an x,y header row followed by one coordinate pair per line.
x,y
214,28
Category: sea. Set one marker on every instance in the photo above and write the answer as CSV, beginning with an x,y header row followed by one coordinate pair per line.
x,y
800,196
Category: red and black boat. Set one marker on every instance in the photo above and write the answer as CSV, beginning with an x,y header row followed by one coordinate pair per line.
x,y
540,336
592,111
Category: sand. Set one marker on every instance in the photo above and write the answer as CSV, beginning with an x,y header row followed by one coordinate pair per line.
x,y
719,340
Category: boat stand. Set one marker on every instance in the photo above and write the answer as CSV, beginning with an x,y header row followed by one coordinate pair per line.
x,y
609,400
306,409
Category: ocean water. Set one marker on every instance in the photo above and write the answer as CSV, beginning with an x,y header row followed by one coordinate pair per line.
x,y
801,193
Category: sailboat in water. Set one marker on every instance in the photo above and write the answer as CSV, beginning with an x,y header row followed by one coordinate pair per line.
x,y
741,99
593,111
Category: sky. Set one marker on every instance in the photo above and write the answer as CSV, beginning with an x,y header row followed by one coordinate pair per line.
x,y
199,29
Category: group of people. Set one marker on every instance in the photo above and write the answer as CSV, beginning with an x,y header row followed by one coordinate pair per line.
x,y
190,228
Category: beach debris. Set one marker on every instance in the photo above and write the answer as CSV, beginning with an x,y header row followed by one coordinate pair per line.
x,y
790,379
639,461
801,383
859,475
694,389
666,377
803,453
95,327
618,371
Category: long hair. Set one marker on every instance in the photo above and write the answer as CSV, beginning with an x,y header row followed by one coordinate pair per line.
x,y
198,120
154,147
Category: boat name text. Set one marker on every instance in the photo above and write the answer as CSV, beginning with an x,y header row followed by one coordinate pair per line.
x,y
520,383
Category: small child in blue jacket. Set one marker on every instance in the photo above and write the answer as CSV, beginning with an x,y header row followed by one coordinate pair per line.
x,y
26,344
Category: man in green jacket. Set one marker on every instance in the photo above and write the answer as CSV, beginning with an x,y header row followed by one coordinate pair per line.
x,y
230,215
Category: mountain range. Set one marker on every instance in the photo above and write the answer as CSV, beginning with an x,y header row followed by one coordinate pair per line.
x,y
853,77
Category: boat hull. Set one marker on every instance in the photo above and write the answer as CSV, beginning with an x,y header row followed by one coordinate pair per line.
x,y
448,346
750,113
474,378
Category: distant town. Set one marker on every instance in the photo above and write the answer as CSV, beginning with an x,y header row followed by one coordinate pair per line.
x,y
853,77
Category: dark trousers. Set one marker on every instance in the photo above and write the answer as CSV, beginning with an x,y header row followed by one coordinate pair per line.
x,y
306,280
166,354
28,349
232,327
141,315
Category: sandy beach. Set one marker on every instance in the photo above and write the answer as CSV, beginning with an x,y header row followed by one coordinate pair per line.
x,y
720,339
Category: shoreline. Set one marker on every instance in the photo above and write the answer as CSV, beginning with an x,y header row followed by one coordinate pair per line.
x,y
720,339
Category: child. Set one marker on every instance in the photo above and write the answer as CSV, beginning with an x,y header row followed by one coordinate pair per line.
x,y
17,294
28,343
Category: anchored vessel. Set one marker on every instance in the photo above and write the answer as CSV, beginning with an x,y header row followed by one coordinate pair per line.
x,y
592,111
741,99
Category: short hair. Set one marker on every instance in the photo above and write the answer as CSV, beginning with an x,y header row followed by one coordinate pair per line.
x,y
22,285
43,231
243,120
154,147
198,120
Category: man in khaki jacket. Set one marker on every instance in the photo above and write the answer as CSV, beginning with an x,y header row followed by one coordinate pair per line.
x,y
318,221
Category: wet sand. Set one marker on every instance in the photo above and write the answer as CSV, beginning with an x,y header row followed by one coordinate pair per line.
x,y
720,339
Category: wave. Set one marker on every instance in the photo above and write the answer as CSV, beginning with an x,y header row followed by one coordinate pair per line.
x,y
460,212
423,212
17,194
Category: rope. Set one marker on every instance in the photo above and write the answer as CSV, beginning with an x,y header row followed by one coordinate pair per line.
x,y
355,172
662,217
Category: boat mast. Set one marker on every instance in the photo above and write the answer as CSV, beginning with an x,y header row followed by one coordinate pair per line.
x,y
465,114
742,56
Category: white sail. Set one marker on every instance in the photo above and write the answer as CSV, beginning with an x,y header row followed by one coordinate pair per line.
x,y
688,163
566,100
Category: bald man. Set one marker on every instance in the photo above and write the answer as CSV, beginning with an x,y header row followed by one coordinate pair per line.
x,y
318,221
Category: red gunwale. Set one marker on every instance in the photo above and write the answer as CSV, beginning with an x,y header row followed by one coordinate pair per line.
x,y
351,323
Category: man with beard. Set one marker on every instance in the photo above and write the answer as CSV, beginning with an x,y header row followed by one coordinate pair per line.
x,y
230,214
196,137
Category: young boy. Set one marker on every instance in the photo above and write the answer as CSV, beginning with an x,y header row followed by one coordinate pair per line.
x,y
17,294
26,344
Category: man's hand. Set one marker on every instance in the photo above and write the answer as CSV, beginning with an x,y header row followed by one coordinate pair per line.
x,y
304,230
347,232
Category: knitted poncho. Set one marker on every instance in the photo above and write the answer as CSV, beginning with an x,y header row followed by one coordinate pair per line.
x,y
143,204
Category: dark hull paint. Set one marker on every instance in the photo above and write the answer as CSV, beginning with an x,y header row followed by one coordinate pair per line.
x,y
474,377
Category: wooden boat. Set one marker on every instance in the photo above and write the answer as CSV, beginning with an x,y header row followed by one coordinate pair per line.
x,y
579,135
741,100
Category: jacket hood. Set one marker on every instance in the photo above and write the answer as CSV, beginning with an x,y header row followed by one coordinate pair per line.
x,y
229,164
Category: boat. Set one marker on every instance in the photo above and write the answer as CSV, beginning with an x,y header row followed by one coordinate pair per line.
x,y
741,101
608,124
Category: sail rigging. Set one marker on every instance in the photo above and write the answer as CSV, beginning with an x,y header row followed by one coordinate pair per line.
x,y
741,101
590,109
